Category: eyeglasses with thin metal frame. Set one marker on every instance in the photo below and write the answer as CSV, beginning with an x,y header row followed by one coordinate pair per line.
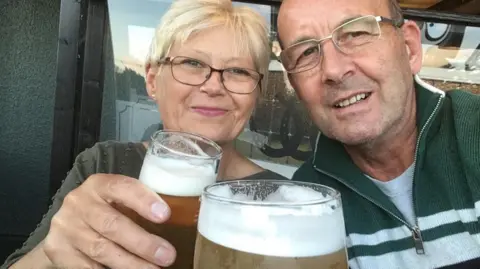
x,y
193,72
348,38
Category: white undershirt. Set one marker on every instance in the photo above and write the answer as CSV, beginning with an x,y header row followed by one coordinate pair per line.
x,y
399,190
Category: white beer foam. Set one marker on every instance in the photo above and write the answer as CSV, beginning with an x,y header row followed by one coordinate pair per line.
x,y
185,147
177,177
267,230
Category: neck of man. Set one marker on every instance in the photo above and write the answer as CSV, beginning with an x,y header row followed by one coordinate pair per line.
x,y
388,156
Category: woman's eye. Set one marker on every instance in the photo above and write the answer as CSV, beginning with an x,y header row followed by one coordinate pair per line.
x,y
192,63
239,71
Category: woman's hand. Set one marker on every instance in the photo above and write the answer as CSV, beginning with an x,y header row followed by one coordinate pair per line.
x,y
88,232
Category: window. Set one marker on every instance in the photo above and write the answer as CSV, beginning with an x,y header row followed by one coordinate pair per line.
x,y
451,56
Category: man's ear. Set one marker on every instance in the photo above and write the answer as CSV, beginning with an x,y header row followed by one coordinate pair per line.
x,y
150,78
288,85
413,44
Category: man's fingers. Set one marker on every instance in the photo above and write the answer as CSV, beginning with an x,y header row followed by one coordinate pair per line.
x,y
133,194
120,229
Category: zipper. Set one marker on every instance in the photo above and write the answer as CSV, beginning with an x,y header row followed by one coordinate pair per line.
x,y
366,197
416,233
418,241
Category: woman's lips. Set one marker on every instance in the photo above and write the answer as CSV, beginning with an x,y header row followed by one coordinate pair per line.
x,y
210,111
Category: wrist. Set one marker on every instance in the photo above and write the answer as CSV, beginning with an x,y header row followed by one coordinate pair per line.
x,y
36,258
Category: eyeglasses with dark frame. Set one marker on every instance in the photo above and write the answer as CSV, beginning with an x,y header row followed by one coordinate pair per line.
x,y
193,72
348,38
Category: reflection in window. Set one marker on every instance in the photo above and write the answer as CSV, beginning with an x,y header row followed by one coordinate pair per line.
x,y
280,130
451,56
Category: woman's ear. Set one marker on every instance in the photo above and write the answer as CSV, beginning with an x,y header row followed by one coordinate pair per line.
x,y
413,43
150,79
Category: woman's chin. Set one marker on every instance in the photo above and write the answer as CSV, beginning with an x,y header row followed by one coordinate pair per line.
x,y
211,133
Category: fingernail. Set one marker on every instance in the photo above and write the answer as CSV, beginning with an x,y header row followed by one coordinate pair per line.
x,y
160,210
165,256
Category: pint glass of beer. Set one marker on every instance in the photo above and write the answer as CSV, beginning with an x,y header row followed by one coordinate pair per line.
x,y
178,166
269,224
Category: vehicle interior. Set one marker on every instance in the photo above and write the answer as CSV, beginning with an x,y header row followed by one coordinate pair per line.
x,y
72,75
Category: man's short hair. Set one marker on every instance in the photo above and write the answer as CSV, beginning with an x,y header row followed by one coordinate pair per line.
x,y
395,10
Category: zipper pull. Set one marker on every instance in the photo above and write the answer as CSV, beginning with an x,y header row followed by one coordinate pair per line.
x,y
418,241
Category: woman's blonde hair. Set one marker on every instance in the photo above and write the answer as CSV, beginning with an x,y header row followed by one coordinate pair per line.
x,y
186,17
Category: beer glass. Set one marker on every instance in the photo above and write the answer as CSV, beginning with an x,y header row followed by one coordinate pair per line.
x,y
178,166
270,224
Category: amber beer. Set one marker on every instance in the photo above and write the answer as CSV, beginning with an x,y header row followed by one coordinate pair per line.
x,y
180,230
178,166
270,225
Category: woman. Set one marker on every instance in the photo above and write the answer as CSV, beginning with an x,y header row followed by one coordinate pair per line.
x,y
204,71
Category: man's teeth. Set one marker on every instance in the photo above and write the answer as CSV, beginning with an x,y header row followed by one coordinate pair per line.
x,y
352,100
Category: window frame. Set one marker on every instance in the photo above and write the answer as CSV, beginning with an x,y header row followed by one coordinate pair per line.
x,y
79,90
80,75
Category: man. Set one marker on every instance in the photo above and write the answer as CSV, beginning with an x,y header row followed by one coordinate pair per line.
x,y
404,155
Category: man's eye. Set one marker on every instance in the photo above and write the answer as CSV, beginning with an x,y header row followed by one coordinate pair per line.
x,y
356,34
310,51
354,37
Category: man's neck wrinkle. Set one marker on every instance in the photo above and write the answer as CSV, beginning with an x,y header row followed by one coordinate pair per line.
x,y
384,171
385,161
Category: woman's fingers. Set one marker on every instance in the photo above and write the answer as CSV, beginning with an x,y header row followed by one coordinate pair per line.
x,y
63,255
106,252
89,232
114,226
131,193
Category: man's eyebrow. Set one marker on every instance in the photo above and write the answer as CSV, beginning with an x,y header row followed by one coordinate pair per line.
x,y
304,38
348,19
301,39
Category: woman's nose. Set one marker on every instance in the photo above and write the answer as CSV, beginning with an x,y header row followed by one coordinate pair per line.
x,y
214,84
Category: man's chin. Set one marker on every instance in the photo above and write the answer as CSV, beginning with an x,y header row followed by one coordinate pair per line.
x,y
355,137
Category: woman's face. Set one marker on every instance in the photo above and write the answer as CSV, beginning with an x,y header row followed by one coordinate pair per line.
x,y
208,109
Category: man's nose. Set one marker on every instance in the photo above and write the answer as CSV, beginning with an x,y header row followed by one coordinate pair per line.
x,y
336,66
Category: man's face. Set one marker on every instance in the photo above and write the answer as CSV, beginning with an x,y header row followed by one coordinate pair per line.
x,y
358,97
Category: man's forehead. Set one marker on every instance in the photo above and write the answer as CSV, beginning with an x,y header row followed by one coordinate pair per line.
x,y
324,7
303,19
